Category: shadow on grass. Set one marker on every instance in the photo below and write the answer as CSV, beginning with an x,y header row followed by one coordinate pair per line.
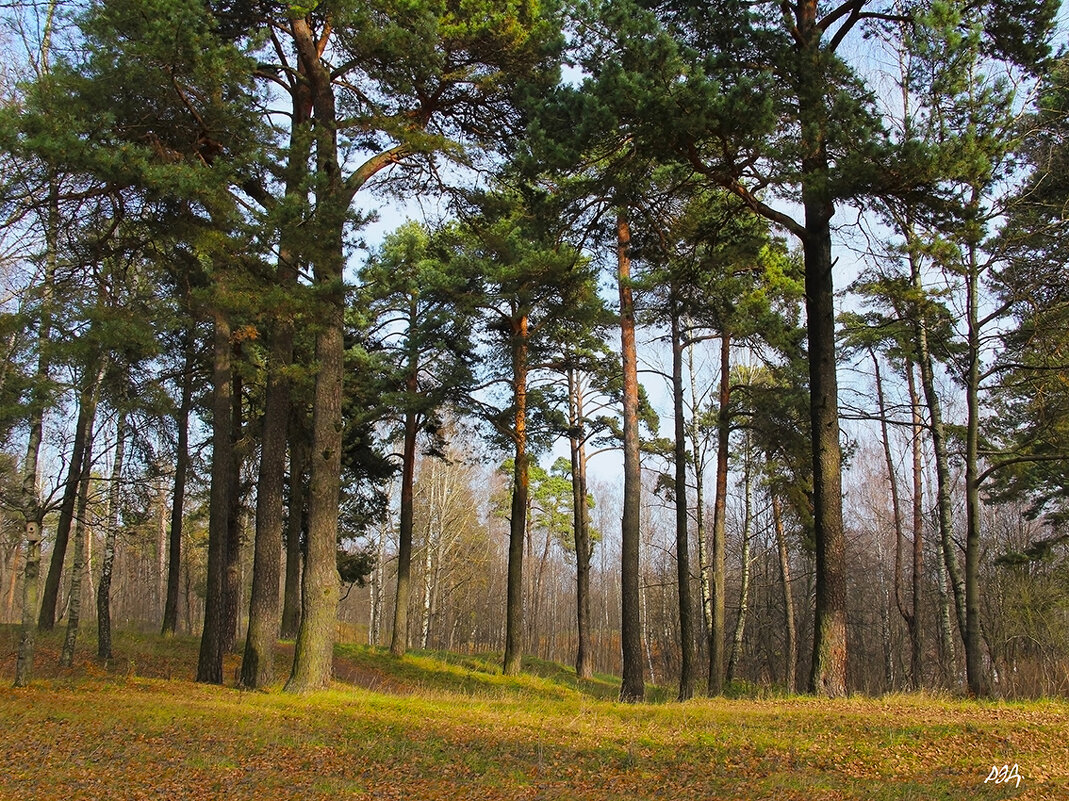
x,y
149,655
478,674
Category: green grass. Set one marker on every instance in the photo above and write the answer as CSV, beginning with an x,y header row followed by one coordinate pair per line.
x,y
434,725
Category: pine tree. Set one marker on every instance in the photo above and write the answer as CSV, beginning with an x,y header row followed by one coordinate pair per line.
x,y
964,70
420,318
531,281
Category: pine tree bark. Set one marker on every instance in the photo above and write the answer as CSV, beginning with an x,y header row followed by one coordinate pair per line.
x,y
313,657
916,655
632,687
210,659
258,661
828,675
257,666
974,666
399,640
300,457
334,193
314,648
520,496
234,533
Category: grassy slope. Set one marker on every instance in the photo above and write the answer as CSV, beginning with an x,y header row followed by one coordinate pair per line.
x,y
437,726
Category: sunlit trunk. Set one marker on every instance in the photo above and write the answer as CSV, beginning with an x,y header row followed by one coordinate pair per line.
x,y
632,687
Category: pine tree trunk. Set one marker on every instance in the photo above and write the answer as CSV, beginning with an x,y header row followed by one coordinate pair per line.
x,y
916,667
828,676
178,497
234,529
258,661
518,514
313,658
111,534
399,640
974,666
632,687
686,614
210,660
289,529
584,657
300,457
46,620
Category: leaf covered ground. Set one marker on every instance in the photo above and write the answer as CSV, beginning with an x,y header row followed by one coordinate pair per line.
x,y
451,727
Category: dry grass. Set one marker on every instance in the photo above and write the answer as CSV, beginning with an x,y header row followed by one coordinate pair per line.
x,y
444,726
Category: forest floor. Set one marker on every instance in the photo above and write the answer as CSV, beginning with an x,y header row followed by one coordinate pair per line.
x,y
440,726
